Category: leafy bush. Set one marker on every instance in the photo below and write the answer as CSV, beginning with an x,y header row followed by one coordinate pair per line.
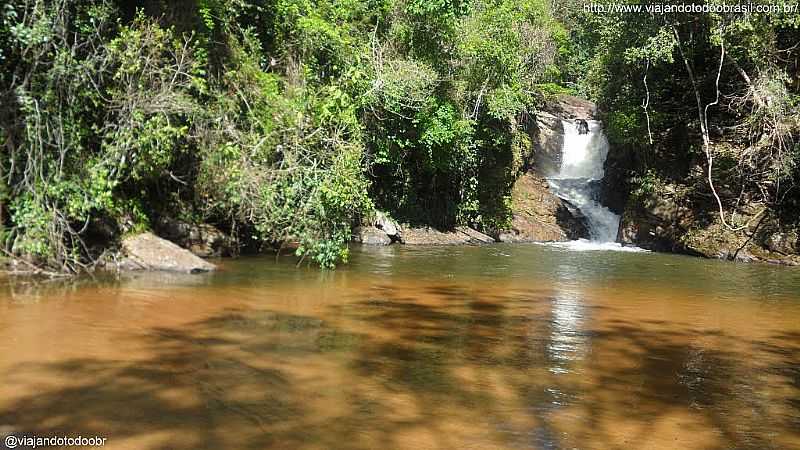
x,y
87,114
286,160
282,120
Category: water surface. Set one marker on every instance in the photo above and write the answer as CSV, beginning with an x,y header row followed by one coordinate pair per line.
x,y
453,347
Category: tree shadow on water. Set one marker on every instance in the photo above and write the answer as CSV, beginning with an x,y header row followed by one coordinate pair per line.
x,y
440,367
217,383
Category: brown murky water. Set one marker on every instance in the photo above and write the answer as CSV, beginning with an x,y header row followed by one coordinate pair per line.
x,y
491,347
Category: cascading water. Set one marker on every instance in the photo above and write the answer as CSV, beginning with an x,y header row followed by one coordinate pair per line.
x,y
578,181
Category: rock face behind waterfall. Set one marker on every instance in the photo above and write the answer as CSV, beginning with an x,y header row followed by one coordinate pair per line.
x,y
540,216
538,213
571,107
548,139
547,131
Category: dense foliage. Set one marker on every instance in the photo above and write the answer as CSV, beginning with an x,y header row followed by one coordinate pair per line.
x,y
291,121
283,121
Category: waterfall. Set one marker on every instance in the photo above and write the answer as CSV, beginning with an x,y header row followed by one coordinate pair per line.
x,y
578,180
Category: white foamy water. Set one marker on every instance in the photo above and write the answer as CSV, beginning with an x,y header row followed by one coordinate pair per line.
x,y
578,182
585,245
583,155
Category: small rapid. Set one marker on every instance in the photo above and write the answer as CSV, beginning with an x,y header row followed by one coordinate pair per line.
x,y
583,155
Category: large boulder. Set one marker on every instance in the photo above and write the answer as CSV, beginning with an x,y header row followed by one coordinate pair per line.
x,y
371,236
388,226
541,216
147,251
657,223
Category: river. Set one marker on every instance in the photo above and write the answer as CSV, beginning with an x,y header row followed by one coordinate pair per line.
x,y
501,346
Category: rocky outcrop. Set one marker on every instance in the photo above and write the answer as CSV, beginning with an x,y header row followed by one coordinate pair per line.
x,y
370,236
540,216
147,251
571,107
783,242
380,230
668,223
548,139
203,240
385,223
656,223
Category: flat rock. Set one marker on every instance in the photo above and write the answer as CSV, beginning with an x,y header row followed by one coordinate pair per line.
x,y
475,235
147,251
431,236
571,107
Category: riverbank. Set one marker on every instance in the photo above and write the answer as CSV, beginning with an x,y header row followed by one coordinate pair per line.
x,y
665,216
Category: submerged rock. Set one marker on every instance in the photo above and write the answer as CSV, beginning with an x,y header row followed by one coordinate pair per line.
x,y
147,251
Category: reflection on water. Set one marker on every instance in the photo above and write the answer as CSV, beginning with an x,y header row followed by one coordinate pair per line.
x,y
468,347
567,340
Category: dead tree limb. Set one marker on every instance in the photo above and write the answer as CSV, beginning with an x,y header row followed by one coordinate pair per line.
x,y
702,114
